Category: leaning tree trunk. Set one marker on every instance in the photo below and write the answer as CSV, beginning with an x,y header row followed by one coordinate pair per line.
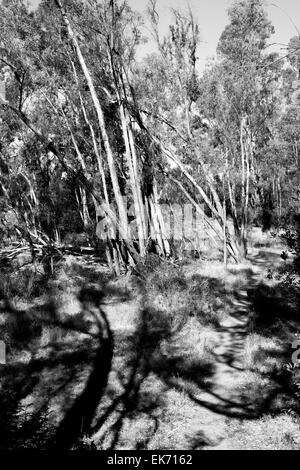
x,y
149,220
122,210
131,159
216,210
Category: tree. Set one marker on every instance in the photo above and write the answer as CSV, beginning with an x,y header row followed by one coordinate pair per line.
x,y
89,113
239,98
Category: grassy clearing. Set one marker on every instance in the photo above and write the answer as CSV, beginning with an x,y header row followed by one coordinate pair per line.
x,y
167,350
175,382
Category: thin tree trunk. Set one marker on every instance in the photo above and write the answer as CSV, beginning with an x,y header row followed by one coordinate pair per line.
x,y
218,214
224,225
218,231
101,121
280,197
131,162
97,147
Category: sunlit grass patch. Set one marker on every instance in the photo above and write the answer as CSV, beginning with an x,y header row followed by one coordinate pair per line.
x,y
281,432
182,294
263,354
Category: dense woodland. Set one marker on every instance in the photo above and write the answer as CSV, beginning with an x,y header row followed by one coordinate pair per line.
x,y
85,125
98,146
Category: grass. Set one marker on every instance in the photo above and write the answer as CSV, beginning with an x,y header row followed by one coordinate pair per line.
x,y
181,295
263,354
163,391
267,433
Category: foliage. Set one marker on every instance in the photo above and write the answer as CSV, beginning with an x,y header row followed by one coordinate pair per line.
x,y
234,130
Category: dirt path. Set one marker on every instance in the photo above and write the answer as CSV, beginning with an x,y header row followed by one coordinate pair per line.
x,y
229,407
207,414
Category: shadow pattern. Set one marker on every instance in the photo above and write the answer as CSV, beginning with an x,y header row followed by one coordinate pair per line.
x,y
87,385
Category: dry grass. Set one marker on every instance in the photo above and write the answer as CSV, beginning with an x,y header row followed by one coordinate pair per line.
x,y
263,354
166,324
268,433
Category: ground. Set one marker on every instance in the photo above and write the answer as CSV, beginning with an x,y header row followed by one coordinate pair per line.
x,y
196,364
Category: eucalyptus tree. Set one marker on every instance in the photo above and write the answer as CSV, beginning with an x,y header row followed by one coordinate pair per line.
x,y
239,97
77,57
174,123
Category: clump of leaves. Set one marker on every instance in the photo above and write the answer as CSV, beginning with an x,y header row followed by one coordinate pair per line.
x,y
291,236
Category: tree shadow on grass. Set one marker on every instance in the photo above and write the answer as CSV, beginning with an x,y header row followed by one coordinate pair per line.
x,y
59,356
85,388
